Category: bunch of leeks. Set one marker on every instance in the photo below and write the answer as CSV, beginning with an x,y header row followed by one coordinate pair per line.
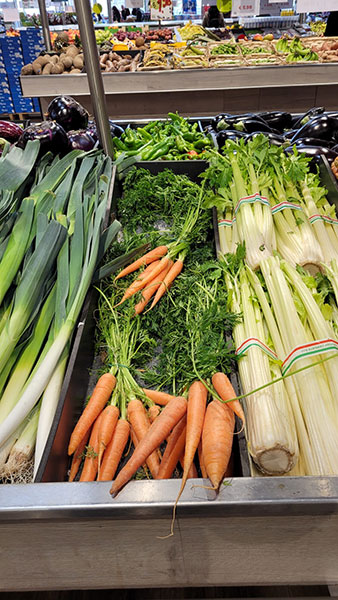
x,y
47,262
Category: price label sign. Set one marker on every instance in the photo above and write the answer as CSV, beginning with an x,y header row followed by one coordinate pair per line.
x,y
304,6
161,10
245,8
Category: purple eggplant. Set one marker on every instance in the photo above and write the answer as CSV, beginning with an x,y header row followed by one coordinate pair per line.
x,y
81,140
275,139
310,141
277,120
315,151
68,112
306,117
115,130
229,134
321,127
10,131
51,135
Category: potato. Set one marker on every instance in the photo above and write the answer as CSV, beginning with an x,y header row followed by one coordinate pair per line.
x,y
67,62
72,51
27,69
78,62
37,67
54,59
47,69
43,60
73,71
57,69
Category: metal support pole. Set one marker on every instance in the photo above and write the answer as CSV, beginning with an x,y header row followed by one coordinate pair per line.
x,y
110,11
91,57
45,25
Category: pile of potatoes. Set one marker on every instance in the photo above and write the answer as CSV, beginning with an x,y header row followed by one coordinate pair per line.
x,y
111,62
71,61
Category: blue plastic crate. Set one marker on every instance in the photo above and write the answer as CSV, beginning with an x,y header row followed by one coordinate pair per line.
x,y
23,105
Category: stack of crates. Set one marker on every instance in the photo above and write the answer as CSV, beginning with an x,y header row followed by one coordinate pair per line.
x,y
32,44
15,52
6,102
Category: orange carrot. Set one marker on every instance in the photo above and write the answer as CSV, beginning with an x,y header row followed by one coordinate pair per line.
x,y
167,281
173,451
192,473
151,288
97,402
153,412
159,397
146,259
89,470
201,460
114,451
78,456
143,280
197,401
158,432
108,423
217,437
135,443
225,391
139,421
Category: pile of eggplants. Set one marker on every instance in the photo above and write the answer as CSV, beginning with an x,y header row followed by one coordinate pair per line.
x,y
67,128
315,133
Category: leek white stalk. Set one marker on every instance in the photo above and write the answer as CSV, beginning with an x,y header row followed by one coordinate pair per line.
x,y
23,449
49,404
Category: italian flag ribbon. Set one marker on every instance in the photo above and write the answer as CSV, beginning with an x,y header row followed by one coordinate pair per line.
x,y
326,219
283,205
250,342
226,222
251,200
310,349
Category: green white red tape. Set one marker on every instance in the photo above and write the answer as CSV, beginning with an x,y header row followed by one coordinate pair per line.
x,y
251,200
283,205
325,218
257,198
300,352
306,350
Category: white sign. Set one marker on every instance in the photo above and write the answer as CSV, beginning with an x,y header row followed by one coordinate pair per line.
x,y
161,10
245,8
11,15
304,6
134,4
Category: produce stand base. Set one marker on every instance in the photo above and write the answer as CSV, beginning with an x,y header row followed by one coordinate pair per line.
x,y
280,531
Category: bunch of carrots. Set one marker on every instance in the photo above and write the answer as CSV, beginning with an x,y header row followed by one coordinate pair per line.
x,y
188,426
160,270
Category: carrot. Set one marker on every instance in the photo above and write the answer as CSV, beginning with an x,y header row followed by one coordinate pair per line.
x,y
146,259
201,460
225,390
144,279
159,431
160,398
151,288
197,401
89,470
109,419
139,421
78,456
135,443
114,451
153,412
167,281
97,402
217,440
173,451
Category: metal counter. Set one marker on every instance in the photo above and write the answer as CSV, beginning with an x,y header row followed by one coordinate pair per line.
x,y
75,536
